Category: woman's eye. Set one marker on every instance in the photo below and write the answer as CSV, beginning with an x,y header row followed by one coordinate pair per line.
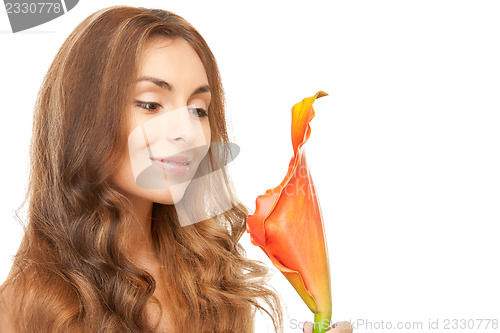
x,y
149,106
199,112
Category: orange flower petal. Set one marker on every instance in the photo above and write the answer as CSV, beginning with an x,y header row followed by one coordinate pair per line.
x,y
288,226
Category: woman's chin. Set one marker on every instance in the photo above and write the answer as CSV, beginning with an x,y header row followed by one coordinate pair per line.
x,y
172,195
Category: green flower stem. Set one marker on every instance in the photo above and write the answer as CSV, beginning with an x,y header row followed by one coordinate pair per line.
x,y
322,322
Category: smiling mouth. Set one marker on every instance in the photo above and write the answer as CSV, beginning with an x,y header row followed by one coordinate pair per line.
x,y
176,165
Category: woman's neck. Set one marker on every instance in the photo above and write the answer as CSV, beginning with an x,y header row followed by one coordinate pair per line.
x,y
139,243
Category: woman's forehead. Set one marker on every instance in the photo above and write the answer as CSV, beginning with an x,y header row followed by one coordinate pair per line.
x,y
173,60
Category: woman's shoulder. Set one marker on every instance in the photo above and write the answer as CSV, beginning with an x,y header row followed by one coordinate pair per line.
x,y
32,299
7,302
16,302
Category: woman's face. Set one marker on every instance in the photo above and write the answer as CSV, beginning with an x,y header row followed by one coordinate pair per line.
x,y
168,128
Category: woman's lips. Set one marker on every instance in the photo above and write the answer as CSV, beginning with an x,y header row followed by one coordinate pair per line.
x,y
176,165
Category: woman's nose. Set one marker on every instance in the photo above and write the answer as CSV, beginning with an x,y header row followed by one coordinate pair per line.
x,y
182,127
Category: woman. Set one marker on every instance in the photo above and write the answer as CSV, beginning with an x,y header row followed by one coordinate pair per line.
x,y
119,237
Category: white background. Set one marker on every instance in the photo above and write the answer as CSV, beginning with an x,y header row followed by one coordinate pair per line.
x,y
404,151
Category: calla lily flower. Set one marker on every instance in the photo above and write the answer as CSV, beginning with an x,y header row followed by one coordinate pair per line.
x,y
288,226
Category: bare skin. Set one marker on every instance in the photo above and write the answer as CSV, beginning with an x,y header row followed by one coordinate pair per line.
x,y
175,62
165,324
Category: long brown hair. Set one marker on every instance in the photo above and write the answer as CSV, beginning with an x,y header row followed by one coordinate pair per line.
x,y
70,272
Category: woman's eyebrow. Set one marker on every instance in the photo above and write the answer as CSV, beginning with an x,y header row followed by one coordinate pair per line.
x,y
159,82
203,89
165,85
